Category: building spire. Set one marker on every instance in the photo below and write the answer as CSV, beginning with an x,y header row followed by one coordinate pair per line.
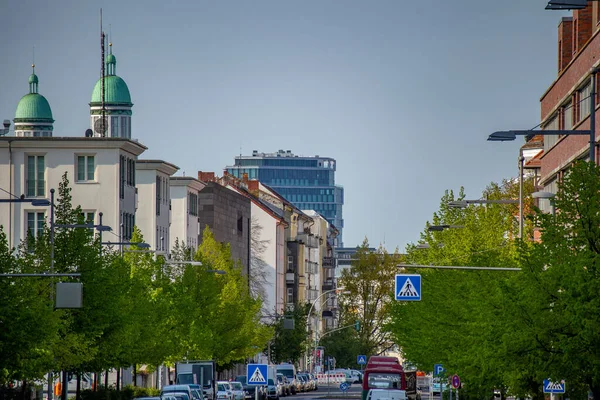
x,y
33,81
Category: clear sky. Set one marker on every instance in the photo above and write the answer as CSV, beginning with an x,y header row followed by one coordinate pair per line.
x,y
403,93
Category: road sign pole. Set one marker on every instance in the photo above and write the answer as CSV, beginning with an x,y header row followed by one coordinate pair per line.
x,y
256,393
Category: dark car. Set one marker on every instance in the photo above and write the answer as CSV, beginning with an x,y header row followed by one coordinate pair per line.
x,y
250,390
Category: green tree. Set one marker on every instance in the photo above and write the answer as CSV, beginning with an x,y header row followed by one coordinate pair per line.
x,y
370,281
559,302
462,317
289,345
28,326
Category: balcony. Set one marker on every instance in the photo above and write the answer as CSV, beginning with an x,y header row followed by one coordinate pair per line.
x,y
311,267
328,284
330,304
308,240
289,277
329,262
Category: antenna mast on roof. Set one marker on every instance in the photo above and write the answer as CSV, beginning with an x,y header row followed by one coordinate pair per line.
x,y
102,76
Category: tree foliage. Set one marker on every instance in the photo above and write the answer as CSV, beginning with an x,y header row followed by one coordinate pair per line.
x,y
289,345
370,282
137,308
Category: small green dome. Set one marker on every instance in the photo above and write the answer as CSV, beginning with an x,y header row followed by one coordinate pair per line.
x,y
111,59
33,106
33,78
115,89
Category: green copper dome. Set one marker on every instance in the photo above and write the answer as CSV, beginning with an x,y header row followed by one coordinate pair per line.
x,y
33,106
33,79
115,92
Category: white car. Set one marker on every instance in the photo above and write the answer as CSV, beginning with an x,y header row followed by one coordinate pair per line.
x,y
386,394
224,391
238,390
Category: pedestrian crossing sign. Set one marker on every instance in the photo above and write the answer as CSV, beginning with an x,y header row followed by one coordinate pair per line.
x,y
554,387
256,374
408,287
361,360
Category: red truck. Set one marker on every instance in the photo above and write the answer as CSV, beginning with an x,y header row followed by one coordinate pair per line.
x,y
383,373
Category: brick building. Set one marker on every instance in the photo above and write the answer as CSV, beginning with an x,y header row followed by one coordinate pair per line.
x,y
227,214
565,105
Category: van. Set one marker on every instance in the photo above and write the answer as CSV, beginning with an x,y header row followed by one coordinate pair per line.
x,y
289,371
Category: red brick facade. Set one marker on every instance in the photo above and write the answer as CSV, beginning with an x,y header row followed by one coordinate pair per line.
x,y
574,68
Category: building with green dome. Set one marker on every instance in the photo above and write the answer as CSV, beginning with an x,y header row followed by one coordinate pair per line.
x,y
117,104
33,116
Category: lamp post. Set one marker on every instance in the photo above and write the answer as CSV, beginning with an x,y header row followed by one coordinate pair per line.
x,y
439,228
313,305
465,203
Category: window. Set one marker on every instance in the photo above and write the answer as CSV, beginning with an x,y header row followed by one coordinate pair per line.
x,y
125,132
290,264
568,115
193,204
89,217
290,295
122,173
35,176
158,193
114,126
549,140
584,101
240,224
85,168
35,223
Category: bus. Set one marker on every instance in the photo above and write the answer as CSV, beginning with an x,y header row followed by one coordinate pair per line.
x,y
383,373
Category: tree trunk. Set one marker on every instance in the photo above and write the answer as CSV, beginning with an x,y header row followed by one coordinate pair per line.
x,y
135,375
118,378
595,391
106,380
78,387
23,389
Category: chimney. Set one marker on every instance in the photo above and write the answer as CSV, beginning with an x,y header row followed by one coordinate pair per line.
x,y
565,43
206,176
582,27
253,186
245,178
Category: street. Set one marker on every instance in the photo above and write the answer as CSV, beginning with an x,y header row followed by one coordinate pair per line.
x,y
330,392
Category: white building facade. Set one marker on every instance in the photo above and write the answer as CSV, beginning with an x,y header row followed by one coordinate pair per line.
x,y
101,173
185,227
153,216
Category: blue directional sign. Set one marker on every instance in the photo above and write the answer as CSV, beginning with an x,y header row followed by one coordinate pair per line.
x,y
361,360
408,287
344,386
554,387
256,374
438,369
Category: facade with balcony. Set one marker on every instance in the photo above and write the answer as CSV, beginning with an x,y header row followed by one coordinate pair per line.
x,y
101,173
154,203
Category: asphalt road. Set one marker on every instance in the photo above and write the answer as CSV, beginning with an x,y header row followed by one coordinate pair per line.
x,y
329,392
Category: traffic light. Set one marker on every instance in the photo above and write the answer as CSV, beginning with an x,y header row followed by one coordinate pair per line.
x,y
58,389
357,326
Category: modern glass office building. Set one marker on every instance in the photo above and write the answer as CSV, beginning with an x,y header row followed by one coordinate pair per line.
x,y
306,182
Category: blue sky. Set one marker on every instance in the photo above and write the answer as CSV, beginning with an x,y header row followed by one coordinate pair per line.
x,y
402,93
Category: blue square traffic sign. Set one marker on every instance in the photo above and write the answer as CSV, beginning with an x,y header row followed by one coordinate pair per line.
x,y
438,369
361,360
554,387
408,287
256,374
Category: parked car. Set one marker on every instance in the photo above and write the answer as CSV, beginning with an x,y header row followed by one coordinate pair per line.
x,y
238,390
170,389
272,391
224,391
285,385
250,390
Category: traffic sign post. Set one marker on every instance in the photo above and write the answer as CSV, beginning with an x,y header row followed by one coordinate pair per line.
x,y
361,359
256,374
408,287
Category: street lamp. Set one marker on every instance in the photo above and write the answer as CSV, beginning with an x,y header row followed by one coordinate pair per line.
x,y
566,5
439,228
315,301
465,203
546,195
